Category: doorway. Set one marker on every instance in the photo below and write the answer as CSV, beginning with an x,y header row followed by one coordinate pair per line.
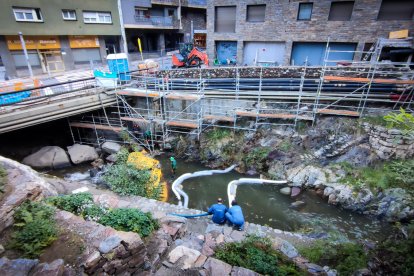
x,y
51,61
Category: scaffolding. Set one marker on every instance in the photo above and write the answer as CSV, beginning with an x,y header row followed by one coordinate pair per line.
x,y
150,109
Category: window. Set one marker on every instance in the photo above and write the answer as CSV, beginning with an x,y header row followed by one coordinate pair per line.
x,y
27,14
305,11
97,17
69,14
170,12
256,13
341,11
396,10
225,19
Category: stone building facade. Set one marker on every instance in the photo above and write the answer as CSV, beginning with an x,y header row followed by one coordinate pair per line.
x,y
281,25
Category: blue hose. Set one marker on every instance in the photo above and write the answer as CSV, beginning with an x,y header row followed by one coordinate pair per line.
x,y
189,216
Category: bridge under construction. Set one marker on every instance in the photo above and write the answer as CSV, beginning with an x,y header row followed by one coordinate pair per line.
x,y
241,98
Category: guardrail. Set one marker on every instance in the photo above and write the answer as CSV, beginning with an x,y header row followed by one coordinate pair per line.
x,y
155,20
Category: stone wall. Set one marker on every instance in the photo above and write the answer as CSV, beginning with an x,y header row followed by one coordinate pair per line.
x,y
273,72
389,143
281,25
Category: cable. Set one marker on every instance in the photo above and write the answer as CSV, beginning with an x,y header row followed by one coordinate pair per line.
x,y
189,216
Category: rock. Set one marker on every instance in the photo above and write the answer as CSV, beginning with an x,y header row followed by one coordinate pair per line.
x,y
217,267
200,261
111,147
241,271
82,153
111,158
314,268
297,204
285,190
187,256
50,157
1,249
295,191
92,260
251,172
55,268
288,249
98,163
212,227
109,243
17,267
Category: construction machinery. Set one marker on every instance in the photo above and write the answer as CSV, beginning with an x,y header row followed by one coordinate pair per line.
x,y
189,56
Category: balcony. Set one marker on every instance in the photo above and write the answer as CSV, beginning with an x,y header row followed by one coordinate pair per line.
x,y
197,3
184,3
156,21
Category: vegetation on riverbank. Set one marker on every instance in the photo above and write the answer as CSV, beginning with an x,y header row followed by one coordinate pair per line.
x,y
3,179
123,219
401,120
346,257
392,174
34,228
134,174
257,254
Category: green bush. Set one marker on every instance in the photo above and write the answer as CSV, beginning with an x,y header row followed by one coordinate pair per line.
x,y
403,121
392,174
129,219
35,228
71,203
257,156
346,258
256,253
122,156
3,178
218,134
124,219
125,179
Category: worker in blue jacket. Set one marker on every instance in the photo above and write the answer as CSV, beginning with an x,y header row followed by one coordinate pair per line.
x,y
218,211
235,215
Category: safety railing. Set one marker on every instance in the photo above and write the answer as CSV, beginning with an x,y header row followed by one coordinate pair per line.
x,y
155,20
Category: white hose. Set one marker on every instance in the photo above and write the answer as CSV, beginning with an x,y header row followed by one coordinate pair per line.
x,y
176,184
232,186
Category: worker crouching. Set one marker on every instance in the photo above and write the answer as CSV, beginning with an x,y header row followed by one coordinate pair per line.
x,y
218,211
235,215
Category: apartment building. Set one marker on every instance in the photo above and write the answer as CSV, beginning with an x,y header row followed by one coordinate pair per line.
x,y
59,35
162,24
295,32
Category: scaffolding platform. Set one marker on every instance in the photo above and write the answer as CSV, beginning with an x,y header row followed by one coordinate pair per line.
x,y
367,80
138,93
182,124
273,115
176,96
95,126
218,118
338,112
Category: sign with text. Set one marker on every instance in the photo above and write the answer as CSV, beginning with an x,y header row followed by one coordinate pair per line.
x,y
33,42
83,41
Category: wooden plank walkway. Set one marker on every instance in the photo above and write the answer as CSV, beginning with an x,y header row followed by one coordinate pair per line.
x,y
182,124
338,112
140,120
218,118
273,116
138,93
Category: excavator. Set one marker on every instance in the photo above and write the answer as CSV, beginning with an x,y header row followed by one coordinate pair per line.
x,y
189,56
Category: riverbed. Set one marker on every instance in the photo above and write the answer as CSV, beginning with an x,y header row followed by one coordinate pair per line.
x,y
261,204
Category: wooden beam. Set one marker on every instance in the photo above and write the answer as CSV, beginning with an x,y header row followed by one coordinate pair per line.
x,y
95,126
137,94
338,112
182,124
174,96
273,115
219,118
366,80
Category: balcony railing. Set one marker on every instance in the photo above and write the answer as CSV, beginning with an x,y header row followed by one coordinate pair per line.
x,y
155,20
197,3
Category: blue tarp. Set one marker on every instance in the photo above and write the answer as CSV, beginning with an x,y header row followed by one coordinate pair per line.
x,y
14,97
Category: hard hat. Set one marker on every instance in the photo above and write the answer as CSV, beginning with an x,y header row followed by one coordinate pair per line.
x,y
171,158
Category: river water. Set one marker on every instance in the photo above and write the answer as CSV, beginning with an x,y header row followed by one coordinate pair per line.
x,y
261,204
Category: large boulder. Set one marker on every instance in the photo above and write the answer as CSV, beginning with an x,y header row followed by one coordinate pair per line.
x,y
17,267
111,147
82,153
50,157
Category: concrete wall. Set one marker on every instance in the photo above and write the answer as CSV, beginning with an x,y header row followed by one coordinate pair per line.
x,y
197,16
53,23
281,24
128,9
